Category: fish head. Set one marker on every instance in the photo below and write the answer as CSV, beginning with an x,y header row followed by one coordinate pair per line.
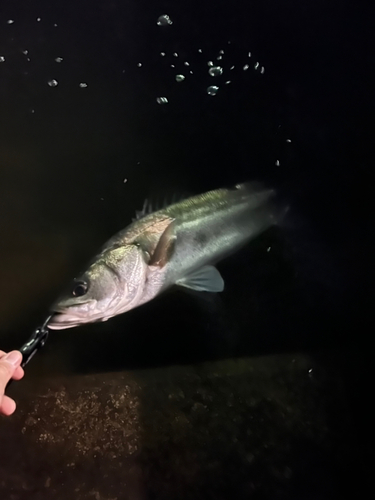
x,y
111,285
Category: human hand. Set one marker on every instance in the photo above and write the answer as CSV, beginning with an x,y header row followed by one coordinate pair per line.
x,y
9,368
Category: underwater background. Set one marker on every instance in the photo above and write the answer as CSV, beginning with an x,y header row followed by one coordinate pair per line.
x,y
106,103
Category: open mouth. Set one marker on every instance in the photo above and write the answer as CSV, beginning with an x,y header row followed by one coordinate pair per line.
x,y
65,316
60,321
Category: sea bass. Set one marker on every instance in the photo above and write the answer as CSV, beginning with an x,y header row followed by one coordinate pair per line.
x,y
177,245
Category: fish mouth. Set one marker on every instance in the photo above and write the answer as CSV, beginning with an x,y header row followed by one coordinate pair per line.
x,y
61,321
67,317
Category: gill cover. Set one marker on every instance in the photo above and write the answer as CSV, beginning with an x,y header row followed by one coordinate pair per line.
x,y
111,285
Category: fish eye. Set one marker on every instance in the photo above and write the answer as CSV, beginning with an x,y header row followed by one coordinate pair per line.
x,y
80,288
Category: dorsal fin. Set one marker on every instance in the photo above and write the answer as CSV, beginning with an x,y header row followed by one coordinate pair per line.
x,y
146,210
149,207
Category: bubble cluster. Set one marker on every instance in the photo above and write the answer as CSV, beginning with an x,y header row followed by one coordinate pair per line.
x,y
216,69
51,82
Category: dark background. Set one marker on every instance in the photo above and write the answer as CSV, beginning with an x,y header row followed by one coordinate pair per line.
x,y
65,152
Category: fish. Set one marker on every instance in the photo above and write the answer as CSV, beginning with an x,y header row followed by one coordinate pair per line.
x,y
178,245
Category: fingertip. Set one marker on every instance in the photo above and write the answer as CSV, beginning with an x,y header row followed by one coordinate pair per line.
x,y
14,358
8,406
19,373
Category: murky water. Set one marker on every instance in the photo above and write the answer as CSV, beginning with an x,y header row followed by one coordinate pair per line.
x,y
104,105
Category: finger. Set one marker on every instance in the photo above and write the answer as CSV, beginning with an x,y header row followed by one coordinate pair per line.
x,y
8,365
3,354
18,374
8,406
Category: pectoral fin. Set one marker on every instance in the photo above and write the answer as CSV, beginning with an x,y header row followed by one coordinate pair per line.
x,y
165,247
205,279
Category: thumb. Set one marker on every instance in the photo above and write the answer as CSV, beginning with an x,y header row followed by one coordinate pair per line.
x,y
8,364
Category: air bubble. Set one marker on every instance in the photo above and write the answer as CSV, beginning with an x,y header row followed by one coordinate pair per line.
x,y
215,71
212,90
58,59
162,100
164,20
180,78
53,83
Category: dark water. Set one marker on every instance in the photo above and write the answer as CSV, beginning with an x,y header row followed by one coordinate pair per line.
x,y
304,125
